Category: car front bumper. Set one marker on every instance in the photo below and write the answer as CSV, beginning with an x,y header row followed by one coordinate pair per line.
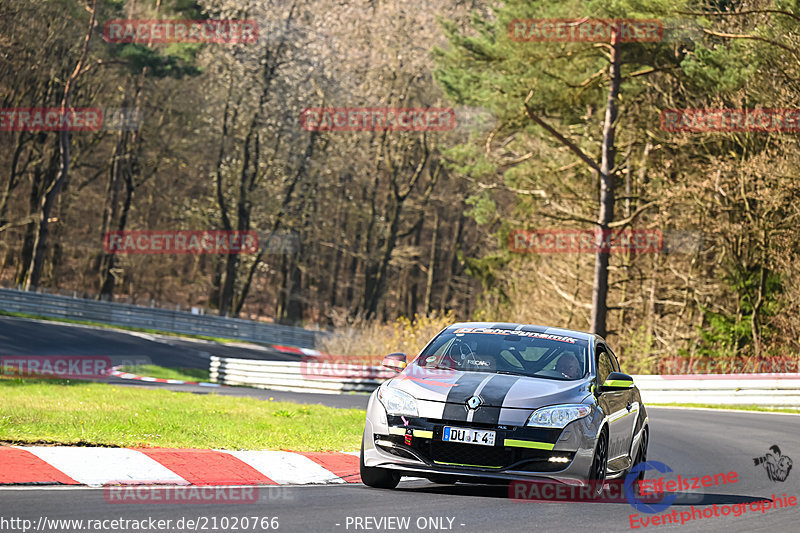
x,y
415,446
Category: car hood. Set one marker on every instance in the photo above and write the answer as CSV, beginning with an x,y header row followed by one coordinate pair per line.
x,y
495,390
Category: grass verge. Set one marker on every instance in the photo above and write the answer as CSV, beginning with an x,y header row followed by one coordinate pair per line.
x,y
732,407
155,371
111,326
73,412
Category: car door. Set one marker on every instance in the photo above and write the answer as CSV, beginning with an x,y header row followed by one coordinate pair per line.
x,y
632,410
614,404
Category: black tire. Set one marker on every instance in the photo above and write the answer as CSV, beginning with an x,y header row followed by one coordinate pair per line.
x,y
641,457
380,478
597,472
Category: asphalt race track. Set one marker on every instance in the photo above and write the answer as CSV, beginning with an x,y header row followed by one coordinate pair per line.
x,y
693,443
38,337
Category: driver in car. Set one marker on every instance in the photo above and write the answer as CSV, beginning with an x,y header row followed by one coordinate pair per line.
x,y
457,354
568,366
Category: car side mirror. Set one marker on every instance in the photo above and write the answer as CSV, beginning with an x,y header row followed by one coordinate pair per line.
x,y
616,381
395,361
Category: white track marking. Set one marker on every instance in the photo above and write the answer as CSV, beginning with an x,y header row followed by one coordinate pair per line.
x,y
286,467
100,466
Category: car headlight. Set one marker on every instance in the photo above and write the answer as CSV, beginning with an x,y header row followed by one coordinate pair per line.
x,y
397,403
557,416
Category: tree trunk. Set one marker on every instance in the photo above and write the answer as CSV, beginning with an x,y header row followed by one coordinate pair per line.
x,y
626,257
12,178
606,215
109,279
125,169
450,263
431,263
40,243
40,239
38,186
294,292
755,322
377,280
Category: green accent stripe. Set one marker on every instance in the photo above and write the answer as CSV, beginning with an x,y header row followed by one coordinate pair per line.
x,y
459,464
421,433
618,383
528,444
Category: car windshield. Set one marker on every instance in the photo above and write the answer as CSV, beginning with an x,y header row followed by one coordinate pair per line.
x,y
501,351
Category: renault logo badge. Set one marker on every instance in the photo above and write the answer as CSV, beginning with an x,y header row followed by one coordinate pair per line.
x,y
474,402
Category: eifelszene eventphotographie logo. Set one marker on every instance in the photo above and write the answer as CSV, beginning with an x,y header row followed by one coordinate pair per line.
x,y
777,466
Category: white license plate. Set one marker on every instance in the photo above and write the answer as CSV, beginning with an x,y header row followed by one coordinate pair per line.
x,y
468,436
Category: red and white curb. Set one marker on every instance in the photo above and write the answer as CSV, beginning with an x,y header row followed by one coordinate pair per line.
x,y
115,372
297,351
42,465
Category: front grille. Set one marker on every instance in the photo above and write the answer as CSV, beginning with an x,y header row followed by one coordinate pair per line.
x,y
501,457
497,457
470,454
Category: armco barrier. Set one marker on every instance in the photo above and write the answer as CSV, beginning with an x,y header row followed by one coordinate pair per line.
x,y
773,390
297,376
118,314
769,390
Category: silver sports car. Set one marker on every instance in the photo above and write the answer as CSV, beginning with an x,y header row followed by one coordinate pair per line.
x,y
488,402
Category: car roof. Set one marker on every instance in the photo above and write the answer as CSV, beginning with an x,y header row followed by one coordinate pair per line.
x,y
582,335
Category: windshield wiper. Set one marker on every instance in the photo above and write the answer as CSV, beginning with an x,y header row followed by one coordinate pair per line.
x,y
512,373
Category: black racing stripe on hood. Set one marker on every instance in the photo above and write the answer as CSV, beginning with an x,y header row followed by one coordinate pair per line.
x,y
493,396
455,408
